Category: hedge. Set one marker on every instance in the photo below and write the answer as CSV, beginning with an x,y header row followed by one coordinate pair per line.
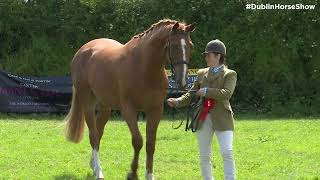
x,y
275,52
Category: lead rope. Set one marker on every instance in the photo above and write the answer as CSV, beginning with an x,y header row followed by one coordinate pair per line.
x,y
192,105
193,114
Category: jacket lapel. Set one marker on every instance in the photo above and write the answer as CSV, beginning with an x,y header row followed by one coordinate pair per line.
x,y
206,73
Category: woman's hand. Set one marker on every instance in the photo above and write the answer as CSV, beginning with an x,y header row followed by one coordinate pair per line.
x,y
172,102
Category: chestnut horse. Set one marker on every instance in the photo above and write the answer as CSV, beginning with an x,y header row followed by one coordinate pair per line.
x,y
108,75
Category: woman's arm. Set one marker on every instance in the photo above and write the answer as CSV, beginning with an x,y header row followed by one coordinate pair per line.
x,y
228,88
185,99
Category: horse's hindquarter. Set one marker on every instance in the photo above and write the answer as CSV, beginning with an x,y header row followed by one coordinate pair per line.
x,y
101,70
87,57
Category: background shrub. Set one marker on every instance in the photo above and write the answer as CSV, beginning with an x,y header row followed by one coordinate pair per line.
x,y
275,52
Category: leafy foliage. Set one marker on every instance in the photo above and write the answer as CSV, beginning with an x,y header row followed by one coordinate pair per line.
x,y
275,52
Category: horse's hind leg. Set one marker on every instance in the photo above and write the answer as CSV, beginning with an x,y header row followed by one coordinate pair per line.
x,y
89,112
103,115
94,141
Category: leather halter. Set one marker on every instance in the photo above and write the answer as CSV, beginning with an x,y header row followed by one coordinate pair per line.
x,y
173,64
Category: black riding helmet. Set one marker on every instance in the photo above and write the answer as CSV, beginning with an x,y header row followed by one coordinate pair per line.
x,y
215,46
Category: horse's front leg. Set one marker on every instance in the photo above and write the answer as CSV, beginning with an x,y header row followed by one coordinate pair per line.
x,y
130,115
153,118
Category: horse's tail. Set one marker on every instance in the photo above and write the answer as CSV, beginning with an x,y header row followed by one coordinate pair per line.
x,y
75,119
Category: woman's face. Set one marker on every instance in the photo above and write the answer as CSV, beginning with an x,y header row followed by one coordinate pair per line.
x,y
212,59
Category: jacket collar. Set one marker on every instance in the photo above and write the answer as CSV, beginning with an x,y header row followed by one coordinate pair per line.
x,y
210,76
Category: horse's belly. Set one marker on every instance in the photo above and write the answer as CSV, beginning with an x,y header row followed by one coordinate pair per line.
x,y
142,101
145,101
107,92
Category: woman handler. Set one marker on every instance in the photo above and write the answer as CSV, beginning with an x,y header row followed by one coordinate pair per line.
x,y
216,84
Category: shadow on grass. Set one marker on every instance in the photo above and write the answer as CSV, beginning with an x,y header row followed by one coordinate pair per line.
x,y
68,176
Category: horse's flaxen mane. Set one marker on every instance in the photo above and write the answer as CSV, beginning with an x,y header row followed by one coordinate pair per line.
x,y
157,25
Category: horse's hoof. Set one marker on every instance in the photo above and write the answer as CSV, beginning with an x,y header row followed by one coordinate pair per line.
x,y
132,176
149,176
99,175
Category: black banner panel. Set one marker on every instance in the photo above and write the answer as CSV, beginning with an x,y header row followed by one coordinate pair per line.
x,y
33,94
45,94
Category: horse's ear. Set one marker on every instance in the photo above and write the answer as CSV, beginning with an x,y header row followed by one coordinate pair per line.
x,y
191,27
175,27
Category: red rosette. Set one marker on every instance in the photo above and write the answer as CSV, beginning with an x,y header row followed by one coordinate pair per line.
x,y
208,104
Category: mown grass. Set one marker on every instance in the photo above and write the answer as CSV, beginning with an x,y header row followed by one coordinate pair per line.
x,y
33,147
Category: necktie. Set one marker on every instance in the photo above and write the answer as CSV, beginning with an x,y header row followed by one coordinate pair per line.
x,y
215,70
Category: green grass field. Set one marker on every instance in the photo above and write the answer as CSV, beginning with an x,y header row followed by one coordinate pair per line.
x,y
33,147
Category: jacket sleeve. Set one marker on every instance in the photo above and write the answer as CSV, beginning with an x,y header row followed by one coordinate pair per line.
x,y
228,88
185,99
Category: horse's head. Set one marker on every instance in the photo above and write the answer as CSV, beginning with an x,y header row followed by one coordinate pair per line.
x,y
179,48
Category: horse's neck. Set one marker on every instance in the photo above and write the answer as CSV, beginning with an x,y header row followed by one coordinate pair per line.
x,y
155,49
151,52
